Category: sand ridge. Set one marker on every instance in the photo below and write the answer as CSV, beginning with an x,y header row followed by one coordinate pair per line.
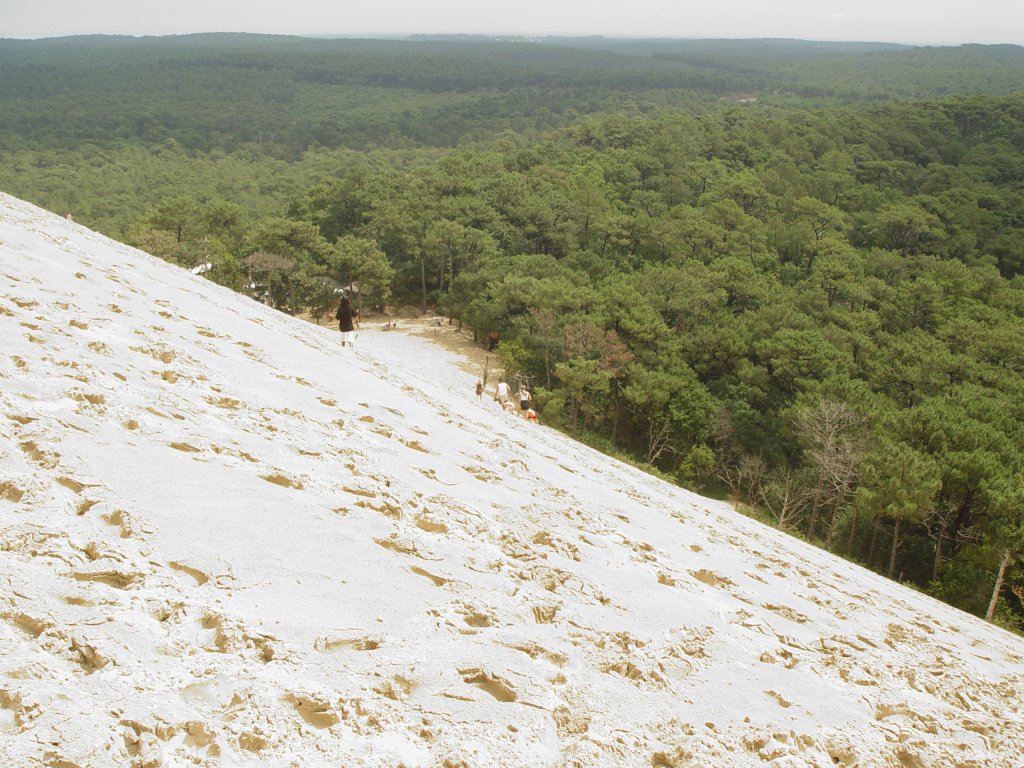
x,y
225,540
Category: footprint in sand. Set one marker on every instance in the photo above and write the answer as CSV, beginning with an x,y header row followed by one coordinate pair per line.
x,y
347,642
489,682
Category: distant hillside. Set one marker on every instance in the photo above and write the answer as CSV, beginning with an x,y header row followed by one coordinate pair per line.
x,y
221,90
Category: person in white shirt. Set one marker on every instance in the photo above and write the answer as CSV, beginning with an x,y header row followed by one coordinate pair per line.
x,y
501,392
524,401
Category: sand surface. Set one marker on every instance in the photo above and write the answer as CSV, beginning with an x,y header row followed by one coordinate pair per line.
x,y
227,541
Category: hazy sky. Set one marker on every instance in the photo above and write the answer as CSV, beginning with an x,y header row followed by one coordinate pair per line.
x,y
906,21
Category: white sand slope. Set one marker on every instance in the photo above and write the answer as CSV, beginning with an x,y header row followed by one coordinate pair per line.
x,y
224,540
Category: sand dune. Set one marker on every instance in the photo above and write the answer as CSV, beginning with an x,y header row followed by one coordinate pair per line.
x,y
225,540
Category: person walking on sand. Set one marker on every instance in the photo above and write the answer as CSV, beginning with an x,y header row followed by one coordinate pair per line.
x,y
348,321
524,400
501,392
479,389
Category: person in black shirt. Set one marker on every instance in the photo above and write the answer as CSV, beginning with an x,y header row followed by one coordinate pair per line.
x,y
348,321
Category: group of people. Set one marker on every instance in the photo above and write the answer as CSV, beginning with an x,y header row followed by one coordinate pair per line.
x,y
348,323
508,403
